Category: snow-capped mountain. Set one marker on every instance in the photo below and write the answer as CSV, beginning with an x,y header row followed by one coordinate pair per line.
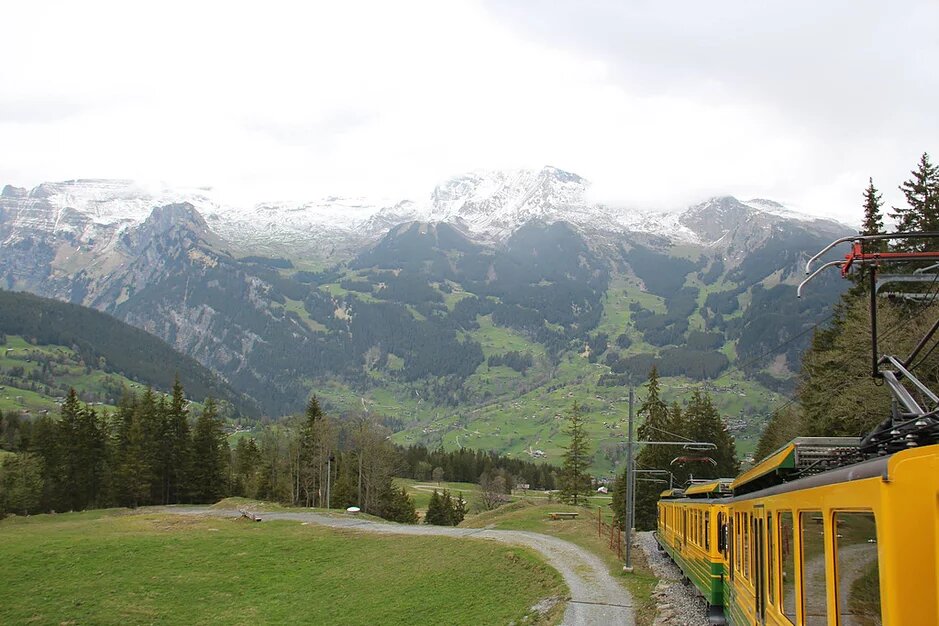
x,y
486,205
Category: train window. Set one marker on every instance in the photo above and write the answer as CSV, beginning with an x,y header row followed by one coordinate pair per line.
x,y
746,545
721,536
770,560
707,529
857,570
814,596
730,544
787,589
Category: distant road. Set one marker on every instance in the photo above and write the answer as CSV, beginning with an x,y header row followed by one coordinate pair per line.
x,y
596,596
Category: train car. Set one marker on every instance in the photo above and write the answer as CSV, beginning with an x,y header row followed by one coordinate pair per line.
x,y
809,542
689,531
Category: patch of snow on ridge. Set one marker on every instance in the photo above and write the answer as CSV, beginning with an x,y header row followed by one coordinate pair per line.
x,y
485,204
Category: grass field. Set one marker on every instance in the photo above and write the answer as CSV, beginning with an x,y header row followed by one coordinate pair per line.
x,y
421,490
532,516
112,567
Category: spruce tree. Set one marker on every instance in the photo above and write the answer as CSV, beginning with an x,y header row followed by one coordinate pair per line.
x,y
705,424
435,514
922,210
873,224
873,216
659,424
575,481
67,433
179,459
209,455
399,507
306,453
21,484
134,472
459,509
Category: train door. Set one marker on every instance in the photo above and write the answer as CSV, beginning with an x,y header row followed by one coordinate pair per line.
x,y
758,550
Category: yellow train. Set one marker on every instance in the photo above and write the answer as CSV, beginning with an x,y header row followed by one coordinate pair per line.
x,y
807,537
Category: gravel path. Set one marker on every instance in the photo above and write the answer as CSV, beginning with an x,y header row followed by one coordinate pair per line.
x,y
596,597
677,603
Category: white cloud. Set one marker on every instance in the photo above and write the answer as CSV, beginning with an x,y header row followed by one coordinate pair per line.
x,y
796,102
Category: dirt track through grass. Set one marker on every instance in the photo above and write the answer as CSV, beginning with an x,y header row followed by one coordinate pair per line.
x,y
595,596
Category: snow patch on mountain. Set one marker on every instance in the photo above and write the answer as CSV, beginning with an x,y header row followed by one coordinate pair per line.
x,y
485,204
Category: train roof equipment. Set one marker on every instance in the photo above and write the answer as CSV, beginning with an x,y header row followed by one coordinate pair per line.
x,y
803,456
914,419
717,488
671,493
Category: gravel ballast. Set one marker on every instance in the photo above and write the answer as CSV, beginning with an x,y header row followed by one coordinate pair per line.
x,y
677,603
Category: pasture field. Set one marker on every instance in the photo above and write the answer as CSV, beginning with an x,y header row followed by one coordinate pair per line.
x,y
421,490
118,567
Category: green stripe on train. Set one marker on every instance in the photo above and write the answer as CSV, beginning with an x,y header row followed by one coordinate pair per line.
x,y
706,575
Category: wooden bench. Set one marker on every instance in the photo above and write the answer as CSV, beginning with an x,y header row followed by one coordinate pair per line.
x,y
563,515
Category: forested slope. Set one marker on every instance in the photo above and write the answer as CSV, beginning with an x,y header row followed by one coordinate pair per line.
x,y
109,344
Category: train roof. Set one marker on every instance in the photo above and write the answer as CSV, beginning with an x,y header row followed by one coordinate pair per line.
x,y
671,493
717,488
800,457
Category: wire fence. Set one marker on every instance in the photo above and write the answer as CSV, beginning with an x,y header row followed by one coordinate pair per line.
x,y
612,532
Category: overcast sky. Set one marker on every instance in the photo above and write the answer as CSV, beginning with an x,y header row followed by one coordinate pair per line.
x,y
659,104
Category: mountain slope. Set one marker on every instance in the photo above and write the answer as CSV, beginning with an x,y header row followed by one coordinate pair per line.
x,y
107,344
473,318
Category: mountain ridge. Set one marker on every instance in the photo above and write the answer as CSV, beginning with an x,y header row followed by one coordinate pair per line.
x,y
487,205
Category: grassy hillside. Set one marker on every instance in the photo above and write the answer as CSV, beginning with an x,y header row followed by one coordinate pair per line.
x,y
21,365
518,413
109,346
109,567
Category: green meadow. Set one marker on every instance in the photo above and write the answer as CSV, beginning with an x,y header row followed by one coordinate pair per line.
x,y
117,567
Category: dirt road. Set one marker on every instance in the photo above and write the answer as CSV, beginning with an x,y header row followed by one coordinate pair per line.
x,y
596,597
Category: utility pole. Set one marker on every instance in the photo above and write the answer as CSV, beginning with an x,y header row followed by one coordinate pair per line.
x,y
630,488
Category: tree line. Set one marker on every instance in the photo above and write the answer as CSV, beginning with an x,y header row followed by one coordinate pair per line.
x,y
153,450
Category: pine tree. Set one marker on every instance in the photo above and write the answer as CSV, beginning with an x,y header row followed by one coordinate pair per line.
x,y
306,453
21,484
435,514
575,481
659,424
922,213
873,216
180,447
447,507
459,509
45,442
653,410
873,224
400,507
134,472
150,412
67,433
247,463
209,455
705,425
